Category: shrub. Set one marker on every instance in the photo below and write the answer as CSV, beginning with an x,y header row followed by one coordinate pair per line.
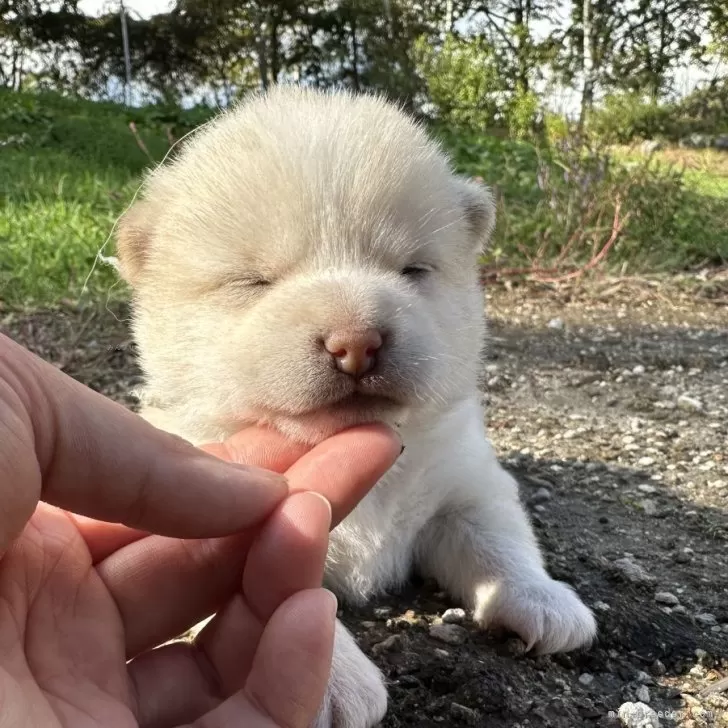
x,y
625,117
559,206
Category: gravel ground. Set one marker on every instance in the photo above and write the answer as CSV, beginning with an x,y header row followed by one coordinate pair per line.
x,y
610,406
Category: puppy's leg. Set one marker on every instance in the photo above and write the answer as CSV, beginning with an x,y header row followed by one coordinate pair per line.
x,y
481,548
356,696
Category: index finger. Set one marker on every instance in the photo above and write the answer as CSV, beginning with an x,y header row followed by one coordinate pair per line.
x,y
78,450
258,446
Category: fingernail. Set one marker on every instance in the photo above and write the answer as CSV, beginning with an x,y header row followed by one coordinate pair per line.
x,y
333,601
324,499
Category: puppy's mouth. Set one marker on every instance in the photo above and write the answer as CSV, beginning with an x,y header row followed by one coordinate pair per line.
x,y
362,402
325,418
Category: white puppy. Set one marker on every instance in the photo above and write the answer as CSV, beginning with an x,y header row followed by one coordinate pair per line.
x,y
310,261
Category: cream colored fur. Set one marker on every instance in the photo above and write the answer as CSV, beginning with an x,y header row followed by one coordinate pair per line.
x,y
298,213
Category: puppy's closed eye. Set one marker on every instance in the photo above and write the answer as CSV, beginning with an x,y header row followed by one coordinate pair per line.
x,y
249,281
416,271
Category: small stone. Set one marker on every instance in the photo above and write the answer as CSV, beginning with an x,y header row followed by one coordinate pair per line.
x,y
601,606
632,571
648,506
556,323
685,556
639,369
706,619
393,643
704,658
646,460
638,715
658,668
463,713
665,597
644,678
442,654
540,496
368,625
690,404
513,647
453,616
643,694
586,679
382,612
452,634
647,489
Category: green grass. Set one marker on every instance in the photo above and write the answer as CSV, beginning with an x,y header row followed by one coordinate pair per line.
x,y
71,167
63,186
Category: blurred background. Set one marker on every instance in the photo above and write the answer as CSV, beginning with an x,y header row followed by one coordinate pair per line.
x,y
602,124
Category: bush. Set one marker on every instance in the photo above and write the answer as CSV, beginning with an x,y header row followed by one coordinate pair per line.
x,y
462,81
625,117
559,206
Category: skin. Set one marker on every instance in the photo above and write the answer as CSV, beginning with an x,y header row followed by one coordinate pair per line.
x,y
115,537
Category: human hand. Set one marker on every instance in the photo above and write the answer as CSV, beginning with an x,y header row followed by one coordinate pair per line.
x,y
115,537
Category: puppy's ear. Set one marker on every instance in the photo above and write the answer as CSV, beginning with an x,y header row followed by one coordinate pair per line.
x,y
133,235
479,207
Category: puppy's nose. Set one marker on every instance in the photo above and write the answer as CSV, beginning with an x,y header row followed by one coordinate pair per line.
x,y
354,351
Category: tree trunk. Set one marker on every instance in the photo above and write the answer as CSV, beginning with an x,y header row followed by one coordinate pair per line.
x,y
521,22
354,51
587,91
449,14
275,51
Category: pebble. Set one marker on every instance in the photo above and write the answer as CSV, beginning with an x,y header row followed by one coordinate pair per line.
x,y
649,507
647,489
632,572
685,556
602,606
658,668
382,612
689,403
639,369
393,643
706,619
463,713
453,616
665,597
644,677
540,496
638,715
452,634
643,694
586,679
556,323
646,460
439,652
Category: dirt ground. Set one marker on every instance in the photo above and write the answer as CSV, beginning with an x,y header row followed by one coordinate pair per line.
x,y
610,406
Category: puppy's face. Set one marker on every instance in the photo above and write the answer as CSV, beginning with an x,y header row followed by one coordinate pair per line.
x,y
309,261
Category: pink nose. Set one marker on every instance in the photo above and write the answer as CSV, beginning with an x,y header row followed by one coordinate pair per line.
x,y
354,351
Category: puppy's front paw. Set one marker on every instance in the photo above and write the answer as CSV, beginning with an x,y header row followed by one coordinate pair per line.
x,y
356,696
547,614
